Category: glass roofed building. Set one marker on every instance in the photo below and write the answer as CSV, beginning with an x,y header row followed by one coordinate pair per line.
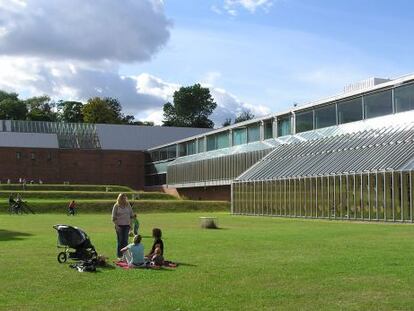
x,y
349,156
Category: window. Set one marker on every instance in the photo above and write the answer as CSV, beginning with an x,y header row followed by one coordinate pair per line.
x,y
378,104
304,121
172,151
182,150
49,156
350,110
253,133
283,125
218,141
119,162
201,145
211,142
404,98
268,129
163,154
155,156
33,156
325,116
239,136
222,140
18,155
191,147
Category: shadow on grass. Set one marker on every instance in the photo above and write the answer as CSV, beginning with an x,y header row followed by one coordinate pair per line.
x,y
183,264
6,235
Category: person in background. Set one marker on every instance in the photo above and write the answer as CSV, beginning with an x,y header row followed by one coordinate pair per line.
x,y
135,225
122,215
72,206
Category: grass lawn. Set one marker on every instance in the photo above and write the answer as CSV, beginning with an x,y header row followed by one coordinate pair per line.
x,y
253,263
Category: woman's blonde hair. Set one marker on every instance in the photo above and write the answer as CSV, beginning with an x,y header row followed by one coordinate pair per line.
x,y
122,199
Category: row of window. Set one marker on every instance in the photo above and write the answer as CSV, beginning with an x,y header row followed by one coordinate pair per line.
x,y
358,108
363,107
19,156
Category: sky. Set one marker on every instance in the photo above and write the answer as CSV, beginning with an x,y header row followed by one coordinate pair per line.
x,y
261,55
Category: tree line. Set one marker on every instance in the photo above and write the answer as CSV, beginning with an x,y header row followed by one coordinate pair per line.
x,y
191,107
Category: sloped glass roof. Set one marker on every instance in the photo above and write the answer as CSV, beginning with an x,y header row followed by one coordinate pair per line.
x,y
385,143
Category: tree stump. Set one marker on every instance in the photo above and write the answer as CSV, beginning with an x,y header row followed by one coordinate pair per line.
x,y
208,222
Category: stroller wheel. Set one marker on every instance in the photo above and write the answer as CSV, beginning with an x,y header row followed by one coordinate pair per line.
x,y
62,257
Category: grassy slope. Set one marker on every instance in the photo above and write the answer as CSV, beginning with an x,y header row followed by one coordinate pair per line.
x,y
84,195
254,263
103,206
62,187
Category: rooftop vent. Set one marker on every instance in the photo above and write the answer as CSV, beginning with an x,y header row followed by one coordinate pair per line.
x,y
364,84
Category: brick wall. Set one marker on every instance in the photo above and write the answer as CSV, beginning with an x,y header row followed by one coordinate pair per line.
x,y
75,166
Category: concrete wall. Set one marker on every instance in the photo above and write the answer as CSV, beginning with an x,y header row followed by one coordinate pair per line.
x,y
74,166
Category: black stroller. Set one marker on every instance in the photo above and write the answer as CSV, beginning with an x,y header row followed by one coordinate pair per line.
x,y
74,238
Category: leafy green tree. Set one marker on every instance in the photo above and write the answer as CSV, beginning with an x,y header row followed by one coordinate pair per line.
x,y
11,107
244,116
70,111
191,107
98,110
41,108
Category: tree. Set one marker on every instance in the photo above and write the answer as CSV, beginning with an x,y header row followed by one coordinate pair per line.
x,y
227,122
41,108
191,107
70,111
98,110
244,116
11,108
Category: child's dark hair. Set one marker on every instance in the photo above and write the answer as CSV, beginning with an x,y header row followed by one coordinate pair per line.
x,y
137,239
156,233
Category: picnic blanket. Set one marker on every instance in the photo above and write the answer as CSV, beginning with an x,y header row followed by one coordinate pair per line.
x,y
167,264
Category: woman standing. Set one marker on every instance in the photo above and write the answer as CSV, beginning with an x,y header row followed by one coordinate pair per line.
x,y
122,215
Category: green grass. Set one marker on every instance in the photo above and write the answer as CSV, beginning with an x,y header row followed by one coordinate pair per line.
x,y
105,206
253,263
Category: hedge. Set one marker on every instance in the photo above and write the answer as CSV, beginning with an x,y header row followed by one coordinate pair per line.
x,y
142,206
77,195
61,187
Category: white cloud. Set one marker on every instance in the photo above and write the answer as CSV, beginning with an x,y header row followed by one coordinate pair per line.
x,y
251,5
211,77
142,96
77,29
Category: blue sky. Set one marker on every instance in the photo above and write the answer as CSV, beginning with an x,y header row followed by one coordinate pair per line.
x,y
294,51
263,55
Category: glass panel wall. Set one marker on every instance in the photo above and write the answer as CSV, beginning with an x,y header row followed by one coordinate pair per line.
x,y
268,129
404,98
325,116
304,121
283,125
253,133
239,136
350,110
378,104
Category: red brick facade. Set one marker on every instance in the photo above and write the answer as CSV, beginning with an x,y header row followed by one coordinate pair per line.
x,y
74,166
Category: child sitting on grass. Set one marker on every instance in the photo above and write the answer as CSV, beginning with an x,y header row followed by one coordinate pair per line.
x,y
134,253
156,255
